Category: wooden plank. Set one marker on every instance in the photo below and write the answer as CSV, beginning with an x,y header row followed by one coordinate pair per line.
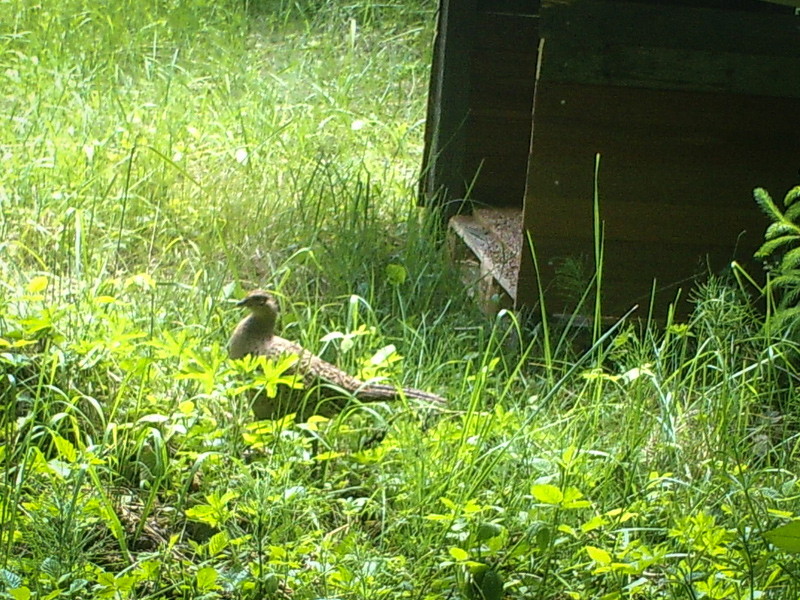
x,y
504,67
499,135
508,7
507,31
666,148
499,126
662,180
491,193
651,222
653,113
448,105
758,6
757,152
676,69
676,179
513,99
497,180
630,271
586,27
668,47
497,169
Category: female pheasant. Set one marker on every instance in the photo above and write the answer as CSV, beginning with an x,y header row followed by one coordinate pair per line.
x,y
326,388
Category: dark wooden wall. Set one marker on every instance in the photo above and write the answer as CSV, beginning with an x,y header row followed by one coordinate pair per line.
x,y
690,109
479,113
503,73
691,103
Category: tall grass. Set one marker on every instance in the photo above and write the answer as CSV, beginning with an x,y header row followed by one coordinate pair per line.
x,y
162,157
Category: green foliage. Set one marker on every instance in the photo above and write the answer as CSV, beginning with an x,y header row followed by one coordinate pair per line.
x,y
786,537
782,248
159,159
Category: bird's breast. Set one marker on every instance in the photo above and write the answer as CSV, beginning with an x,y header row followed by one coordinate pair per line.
x,y
249,338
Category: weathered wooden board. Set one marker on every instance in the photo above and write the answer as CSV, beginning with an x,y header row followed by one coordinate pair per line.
x,y
691,103
514,7
503,71
478,126
672,268
507,30
676,179
672,47
586,26
448,103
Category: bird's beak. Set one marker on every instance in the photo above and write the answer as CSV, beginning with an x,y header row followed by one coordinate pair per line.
x,y
241,303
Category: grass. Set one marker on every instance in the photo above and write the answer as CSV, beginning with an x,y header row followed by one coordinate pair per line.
x,y
160,159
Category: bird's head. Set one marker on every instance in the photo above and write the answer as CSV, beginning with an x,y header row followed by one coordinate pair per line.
x,y
261,303
257,328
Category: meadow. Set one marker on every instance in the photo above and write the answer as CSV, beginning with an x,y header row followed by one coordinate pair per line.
x,y
160,158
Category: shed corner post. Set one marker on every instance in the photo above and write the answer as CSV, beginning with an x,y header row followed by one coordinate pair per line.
x,y
442,182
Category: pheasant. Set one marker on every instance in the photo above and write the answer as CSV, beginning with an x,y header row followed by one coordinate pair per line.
x,y
255,336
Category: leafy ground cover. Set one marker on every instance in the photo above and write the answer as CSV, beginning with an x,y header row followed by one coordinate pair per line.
x,y
160,158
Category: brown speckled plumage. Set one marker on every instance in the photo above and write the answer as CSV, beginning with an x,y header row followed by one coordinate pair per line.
x,y
255,336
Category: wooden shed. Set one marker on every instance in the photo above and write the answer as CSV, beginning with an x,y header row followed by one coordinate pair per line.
x,y
690,105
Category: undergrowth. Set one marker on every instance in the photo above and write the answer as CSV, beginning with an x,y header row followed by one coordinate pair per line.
x,y
160,158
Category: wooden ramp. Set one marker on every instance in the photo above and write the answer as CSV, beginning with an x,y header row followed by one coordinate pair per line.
x,y
487,246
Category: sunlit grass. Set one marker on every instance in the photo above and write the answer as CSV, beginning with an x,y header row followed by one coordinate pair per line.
x,y
161,158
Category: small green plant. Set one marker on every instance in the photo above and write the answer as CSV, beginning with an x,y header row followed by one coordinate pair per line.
x,y
781,250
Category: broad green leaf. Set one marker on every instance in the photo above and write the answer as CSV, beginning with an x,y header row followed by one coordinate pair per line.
x,y
593,523
571,494
330,455
153,418
315,423
635,373
448,503
203,513
21,593
141,280
458,554
65,449
214,499
395,274
277,553
37,284
385,356
549,494
564,528
786,537
206,579
491,585
487,531
543,539
598,555
217,543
